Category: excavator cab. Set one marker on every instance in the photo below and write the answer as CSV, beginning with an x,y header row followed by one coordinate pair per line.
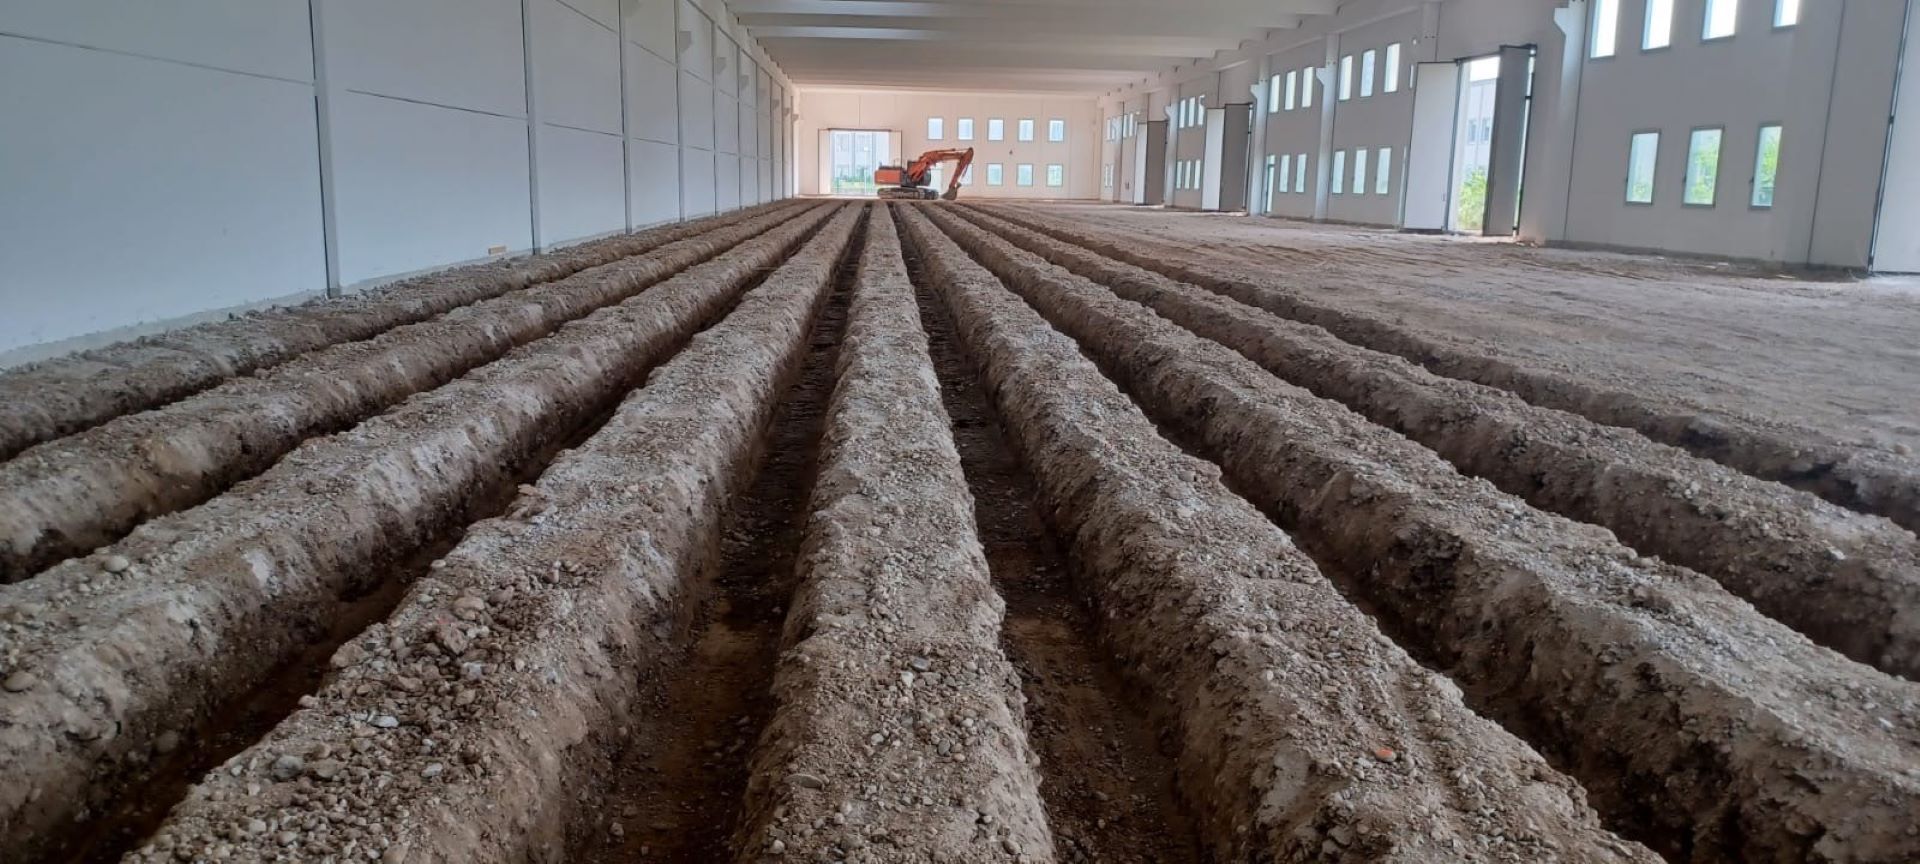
x,y
911,181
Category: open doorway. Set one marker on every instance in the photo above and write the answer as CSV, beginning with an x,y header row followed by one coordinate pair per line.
x,y
852,156
1469,143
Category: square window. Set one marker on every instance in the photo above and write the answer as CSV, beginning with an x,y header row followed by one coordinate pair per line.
x,y
996,129
1360,171
1659,32
963,128
1723,17
1306,87
1056,175
1786,13
1346,77
1642,156
1056,130
1392,70
936,128
996,174
1366,72
1300,173
1286,172
1291,77
1023,175
1026,132
1339,172
1606,28
1766,166
1703,167
1382,171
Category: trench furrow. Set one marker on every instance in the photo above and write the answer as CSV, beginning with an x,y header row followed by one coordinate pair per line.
x,y
72,495
1110,792
1698,725
44,401
107,656
1863,479
470,724
1849,581
1302,732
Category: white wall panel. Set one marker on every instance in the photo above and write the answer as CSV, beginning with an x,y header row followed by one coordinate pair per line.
x,y
726,124
264,37
606,12
650,26
419,186
577,68
460,53
726,171
580,185
695,42
140,190
696,113
653,105
654,182
696,182
726,66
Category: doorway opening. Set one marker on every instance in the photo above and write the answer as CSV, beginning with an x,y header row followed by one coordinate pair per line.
x,y
853,155
1469,143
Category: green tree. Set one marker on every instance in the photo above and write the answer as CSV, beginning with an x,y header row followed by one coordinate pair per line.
x,y
1471,213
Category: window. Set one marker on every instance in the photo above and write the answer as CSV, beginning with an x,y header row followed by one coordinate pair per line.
x,y
1346,77
1659,32
1641,157
963,128
1766,166
1273,95
1339,172
1786,13
936,128
1106,176
1056,175
1306,87
996,129
1366,72
1286,172
1703,167
1300,173
1023,175
1606,28
1392,69
996,174
1382,171
1291,77
1026,130
1056,130
1723,17
1360,171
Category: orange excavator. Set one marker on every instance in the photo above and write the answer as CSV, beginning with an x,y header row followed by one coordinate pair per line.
x,y
911,181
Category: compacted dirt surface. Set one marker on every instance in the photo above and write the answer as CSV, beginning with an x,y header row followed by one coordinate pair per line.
x,y
852,532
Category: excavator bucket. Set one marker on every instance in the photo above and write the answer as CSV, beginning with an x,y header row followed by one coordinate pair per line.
x,y
950,194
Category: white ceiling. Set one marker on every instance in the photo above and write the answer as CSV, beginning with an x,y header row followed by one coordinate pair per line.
x,y
1070,46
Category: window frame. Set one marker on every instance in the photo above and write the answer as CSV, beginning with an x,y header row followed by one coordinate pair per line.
x,y
1780,6
996,129
1023,130
1339,174
1293,79
1753,182
1383,171
1653,174
936,128
1345,87
1308,81
1300,174
1686,176
1359,170
1285,187
1368,59
1612,8
1646,26
1391,66
1056,170
1706,21
996,174
1023,174
963,128
1056,124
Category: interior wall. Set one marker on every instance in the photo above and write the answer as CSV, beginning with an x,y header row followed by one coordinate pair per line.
x,y
1295,133
239,153
1897,236
906,112
1370,123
